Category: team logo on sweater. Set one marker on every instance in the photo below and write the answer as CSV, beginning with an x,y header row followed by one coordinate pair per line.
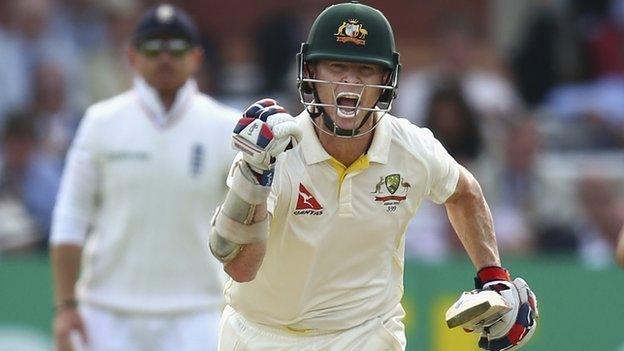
x,y
197,159
391,190
307,203
127,155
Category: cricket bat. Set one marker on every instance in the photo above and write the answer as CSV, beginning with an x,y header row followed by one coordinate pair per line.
x,y
475,306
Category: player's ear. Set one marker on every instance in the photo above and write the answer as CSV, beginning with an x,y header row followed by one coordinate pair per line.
x,y
386,76
197,58
309,70
131,54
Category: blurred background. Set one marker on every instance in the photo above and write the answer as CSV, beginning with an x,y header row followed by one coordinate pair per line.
x,y
529,95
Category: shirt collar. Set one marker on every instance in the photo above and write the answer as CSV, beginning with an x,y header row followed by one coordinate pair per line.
x,y
151,101
380,147
313,151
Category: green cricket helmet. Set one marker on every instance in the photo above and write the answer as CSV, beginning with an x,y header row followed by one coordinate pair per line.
x,y
350,32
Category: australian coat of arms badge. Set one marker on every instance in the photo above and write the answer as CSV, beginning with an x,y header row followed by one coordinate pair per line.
x,y
391,190
351,31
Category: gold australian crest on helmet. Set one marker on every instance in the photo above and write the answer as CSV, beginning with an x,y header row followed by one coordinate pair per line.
x,y
351,31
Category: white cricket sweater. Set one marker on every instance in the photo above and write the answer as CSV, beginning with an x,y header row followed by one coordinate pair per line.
x,y
146,183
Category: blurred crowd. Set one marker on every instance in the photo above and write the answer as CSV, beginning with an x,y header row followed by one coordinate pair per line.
x,y
529,95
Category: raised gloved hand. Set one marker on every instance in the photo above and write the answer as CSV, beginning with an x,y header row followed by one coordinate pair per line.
x,y
265,131
516,327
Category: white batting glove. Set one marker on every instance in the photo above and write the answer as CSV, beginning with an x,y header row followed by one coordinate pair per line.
x,y
265,131
516,327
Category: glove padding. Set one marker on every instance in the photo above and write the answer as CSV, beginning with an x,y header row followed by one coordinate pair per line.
x,y
515,328
265,131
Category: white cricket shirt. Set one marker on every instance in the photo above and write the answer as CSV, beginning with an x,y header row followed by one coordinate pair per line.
x,y
147,182
335,249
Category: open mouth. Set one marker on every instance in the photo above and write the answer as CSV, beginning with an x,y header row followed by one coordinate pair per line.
x,y
347,104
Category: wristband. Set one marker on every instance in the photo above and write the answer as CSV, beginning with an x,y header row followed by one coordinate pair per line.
x,y
68,304
490,274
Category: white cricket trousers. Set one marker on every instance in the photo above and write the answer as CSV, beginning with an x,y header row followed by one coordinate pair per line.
x,y
379,334
116,331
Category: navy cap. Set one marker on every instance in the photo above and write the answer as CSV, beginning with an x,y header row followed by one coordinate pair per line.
x,y
165,21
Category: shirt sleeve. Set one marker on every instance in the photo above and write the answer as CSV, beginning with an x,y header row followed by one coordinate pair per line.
x,y
442,167
272,201
76,199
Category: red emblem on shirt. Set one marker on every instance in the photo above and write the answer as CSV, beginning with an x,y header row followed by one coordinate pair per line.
x,y
306,203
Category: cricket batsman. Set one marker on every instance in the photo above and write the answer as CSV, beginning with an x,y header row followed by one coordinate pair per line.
x,y
312,229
